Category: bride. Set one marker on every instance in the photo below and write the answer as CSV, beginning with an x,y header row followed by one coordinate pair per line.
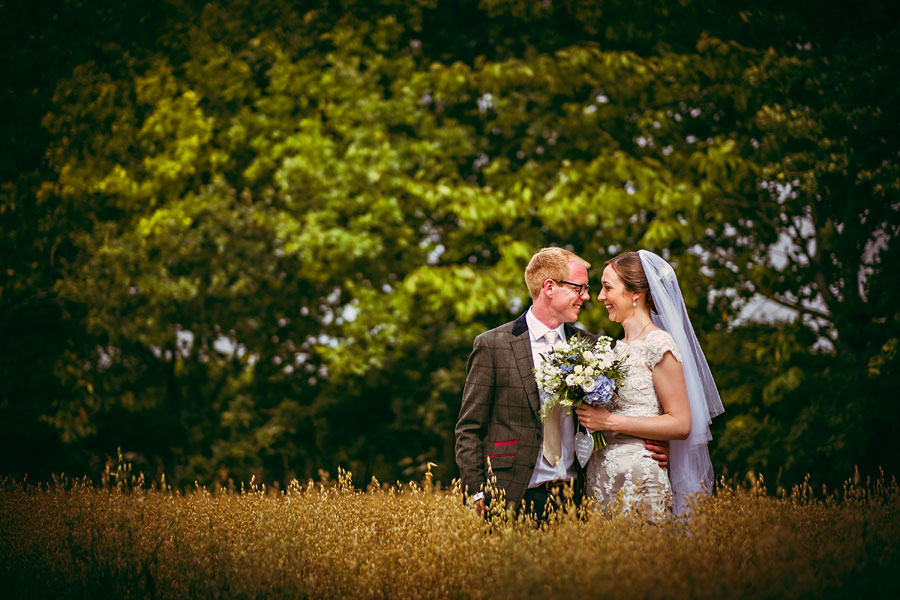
x,y
668,394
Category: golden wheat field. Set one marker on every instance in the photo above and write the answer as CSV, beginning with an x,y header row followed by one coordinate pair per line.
x,y
329,539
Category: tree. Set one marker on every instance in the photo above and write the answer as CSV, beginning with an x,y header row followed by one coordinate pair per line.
x,y
275,231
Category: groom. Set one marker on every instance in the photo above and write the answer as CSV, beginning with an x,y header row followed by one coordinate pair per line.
x,y
499,421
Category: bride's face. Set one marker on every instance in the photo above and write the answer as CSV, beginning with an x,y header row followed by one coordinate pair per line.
x,y
614,296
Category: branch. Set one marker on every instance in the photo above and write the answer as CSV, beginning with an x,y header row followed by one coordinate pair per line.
x,y
816,259
770,295
756,207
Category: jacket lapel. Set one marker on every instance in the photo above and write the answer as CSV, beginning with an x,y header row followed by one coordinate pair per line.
x,y
521,347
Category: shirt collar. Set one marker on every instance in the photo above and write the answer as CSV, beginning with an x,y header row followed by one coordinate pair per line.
x,y
536,329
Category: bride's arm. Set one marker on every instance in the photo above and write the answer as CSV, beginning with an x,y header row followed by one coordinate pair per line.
x,y
673,424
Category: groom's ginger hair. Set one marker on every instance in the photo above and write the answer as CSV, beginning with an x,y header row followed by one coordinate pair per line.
x,y
549,263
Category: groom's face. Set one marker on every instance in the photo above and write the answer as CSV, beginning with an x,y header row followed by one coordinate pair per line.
x,y
566,302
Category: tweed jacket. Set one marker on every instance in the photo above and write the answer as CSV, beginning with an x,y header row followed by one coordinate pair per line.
x,y
499,420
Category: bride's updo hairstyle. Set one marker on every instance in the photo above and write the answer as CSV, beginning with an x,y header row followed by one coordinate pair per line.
x,y
630,270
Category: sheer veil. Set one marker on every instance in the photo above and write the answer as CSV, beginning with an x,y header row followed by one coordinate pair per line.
x,y
691,469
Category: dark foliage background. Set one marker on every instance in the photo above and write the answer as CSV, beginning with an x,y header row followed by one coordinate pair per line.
x,y
258,237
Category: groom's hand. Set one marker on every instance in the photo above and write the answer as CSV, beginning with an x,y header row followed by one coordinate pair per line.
x,y
660,452
478,505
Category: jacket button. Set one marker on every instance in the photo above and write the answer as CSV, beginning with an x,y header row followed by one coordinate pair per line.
x,y
538,435
531,466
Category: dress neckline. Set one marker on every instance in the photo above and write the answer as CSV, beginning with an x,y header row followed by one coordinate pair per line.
x,y
643,337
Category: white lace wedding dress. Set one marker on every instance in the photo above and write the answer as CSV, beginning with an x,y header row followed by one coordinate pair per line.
x,y
624,466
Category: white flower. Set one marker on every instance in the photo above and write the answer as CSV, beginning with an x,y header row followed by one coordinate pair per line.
x,y
579,369
589,371
588,386
570,379
588,355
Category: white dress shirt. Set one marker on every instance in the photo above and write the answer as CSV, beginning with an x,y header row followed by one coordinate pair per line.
x,y
565,467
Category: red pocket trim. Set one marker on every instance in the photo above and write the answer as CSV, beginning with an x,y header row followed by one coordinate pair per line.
x,y
506,443
499,455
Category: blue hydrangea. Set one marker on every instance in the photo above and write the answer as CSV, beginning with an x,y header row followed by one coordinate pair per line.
x,y
566,368
602,393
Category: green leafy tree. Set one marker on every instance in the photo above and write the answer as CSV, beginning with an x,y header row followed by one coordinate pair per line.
x,y
273,231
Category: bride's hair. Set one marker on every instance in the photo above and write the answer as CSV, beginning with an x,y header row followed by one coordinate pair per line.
x,y
630,270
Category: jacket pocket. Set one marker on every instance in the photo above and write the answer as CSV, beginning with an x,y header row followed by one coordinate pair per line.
x,y
502,454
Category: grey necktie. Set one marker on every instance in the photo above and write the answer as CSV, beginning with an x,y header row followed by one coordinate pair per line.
x,y
552,430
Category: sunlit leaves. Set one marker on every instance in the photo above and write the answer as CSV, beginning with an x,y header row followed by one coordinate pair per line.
x,y
283,220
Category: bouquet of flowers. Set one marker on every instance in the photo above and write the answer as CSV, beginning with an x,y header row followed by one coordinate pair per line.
x,y
580,371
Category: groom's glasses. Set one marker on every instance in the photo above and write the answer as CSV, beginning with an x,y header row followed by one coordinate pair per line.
x,y
579,288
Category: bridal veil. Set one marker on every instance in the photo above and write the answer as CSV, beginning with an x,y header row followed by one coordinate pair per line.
x,y
691,470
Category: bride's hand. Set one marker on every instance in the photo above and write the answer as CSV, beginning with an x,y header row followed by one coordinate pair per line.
x,y
595,417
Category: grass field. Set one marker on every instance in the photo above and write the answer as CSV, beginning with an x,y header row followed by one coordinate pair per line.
x,y
328,539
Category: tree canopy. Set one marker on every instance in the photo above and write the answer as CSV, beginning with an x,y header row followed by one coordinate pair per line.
x,y
259,238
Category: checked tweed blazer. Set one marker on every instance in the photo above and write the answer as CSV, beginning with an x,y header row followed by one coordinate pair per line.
x,y
500,415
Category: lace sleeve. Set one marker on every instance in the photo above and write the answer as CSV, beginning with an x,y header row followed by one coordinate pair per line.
x,y
657,344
